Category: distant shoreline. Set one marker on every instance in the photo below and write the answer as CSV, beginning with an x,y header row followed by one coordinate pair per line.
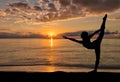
x,y
49,38
58,36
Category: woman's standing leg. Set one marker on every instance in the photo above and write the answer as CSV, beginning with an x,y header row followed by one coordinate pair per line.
x,y
97,43
97,52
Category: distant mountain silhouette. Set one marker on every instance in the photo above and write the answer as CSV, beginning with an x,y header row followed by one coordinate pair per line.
x,y
77,33
20,35
108,34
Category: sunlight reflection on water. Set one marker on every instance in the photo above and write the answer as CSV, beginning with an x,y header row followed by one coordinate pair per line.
x,y
56,55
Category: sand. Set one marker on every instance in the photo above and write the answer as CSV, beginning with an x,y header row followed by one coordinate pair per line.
x,y
59,76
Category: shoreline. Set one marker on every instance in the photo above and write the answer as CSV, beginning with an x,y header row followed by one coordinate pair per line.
x,y
60,75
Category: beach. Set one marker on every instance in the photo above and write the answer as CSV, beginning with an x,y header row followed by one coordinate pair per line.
x,y
59,76
24,60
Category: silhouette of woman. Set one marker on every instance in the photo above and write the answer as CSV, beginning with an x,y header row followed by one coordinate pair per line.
x,y
92,45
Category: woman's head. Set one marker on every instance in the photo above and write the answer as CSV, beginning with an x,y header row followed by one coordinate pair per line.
x,y
84,34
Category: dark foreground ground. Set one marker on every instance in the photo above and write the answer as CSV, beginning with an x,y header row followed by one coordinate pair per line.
x,y
59,76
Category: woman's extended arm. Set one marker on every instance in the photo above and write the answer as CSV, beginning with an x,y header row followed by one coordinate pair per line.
x,y
72,39
94,33
102,26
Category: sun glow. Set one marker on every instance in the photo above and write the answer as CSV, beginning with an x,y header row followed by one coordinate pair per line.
x,y
51,39
51,42
52,60
51,34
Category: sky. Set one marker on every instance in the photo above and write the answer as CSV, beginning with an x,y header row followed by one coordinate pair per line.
x,y
57,16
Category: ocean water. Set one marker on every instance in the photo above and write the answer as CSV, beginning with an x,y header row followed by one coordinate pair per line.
x,y
49,55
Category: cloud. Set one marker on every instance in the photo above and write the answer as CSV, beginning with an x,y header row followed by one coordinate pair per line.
x,y
5,30
21,19
37,8
52,10
115,18
2,13
20,5
98,6
20,35
65,2
52,7
118,18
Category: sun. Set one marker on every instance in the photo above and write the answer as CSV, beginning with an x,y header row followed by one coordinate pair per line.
x,y
51,34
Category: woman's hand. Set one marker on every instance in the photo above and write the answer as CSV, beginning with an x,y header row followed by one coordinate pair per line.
x,y
104,18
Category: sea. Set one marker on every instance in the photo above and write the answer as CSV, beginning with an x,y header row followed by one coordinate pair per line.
x,y
50,55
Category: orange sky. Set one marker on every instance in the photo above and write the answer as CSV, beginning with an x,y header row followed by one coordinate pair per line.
x,y
58,16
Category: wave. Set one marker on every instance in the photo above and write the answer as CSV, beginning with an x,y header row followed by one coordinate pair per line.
x,y
22,49
66,65
9,51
